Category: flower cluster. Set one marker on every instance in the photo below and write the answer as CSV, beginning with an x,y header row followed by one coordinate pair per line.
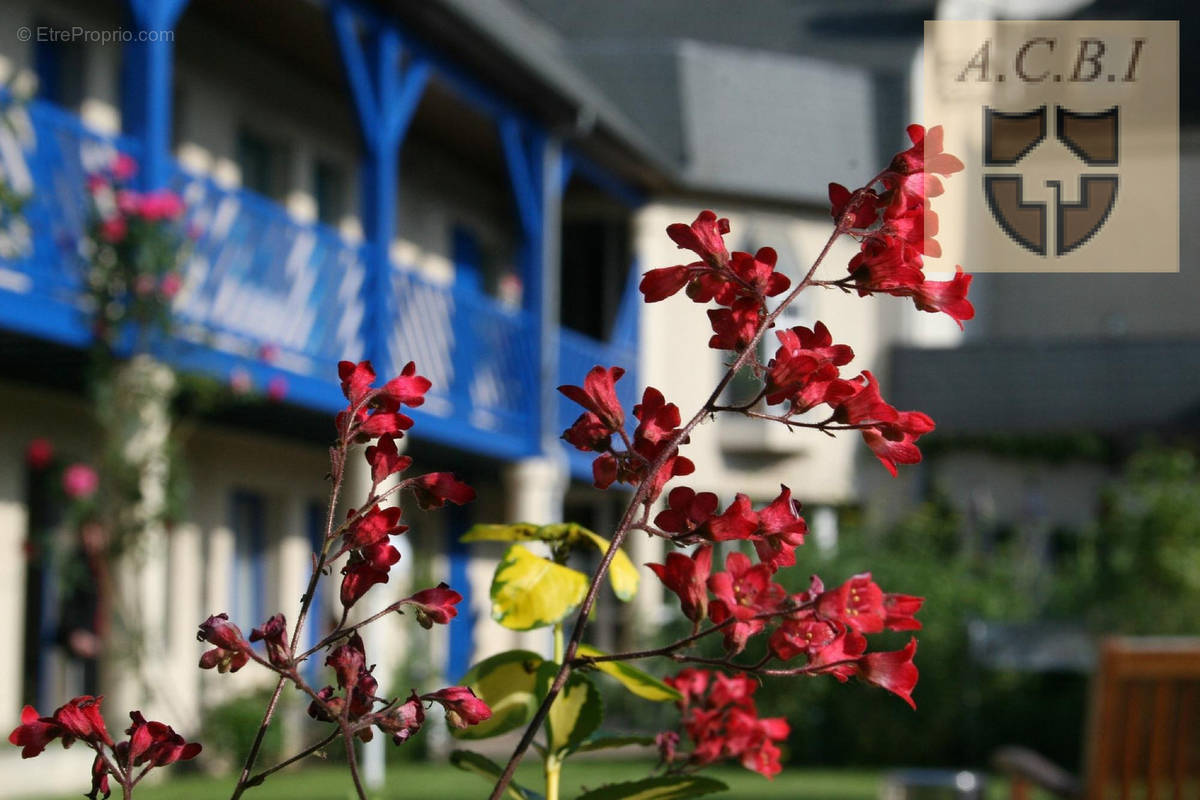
x,y
136,249
896,228
150,744
373,417
638,461
826,627
357,699
721,721
739,282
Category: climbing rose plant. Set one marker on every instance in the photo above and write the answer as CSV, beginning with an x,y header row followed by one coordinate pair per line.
x,y
818,632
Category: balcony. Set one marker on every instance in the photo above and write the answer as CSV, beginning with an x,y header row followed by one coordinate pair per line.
x,y
258,280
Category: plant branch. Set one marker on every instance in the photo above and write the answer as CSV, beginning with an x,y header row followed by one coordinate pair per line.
x,y
260,777
338,459
640,498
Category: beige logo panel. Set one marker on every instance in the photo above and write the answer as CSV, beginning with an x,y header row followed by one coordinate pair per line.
x,y
1069,131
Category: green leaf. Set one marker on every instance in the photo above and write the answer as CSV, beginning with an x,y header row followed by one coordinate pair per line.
x,y
669,787
532,592
485,767
507,682
576,712
613,742
640,683
622,574
520,532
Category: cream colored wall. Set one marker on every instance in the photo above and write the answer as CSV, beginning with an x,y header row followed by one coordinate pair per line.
x,y
675,357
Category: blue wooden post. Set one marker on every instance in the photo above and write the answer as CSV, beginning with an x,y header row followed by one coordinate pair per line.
x,y
147,85
535,168
385,98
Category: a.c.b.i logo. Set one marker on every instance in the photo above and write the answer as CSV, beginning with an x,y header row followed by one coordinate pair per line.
x,y
1069,135
1093,137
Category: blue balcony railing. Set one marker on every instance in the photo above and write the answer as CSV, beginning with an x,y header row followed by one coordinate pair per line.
x,y
258,280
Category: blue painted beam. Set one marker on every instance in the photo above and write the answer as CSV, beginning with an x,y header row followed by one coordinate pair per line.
x,y
147,86
385,99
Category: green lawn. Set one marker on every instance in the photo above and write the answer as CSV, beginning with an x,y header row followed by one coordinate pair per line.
x,y
425,781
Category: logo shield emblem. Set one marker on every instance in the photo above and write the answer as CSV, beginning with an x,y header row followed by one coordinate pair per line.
x,y
1092,137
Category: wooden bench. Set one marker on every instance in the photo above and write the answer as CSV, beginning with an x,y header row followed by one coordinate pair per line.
x,y
1142,737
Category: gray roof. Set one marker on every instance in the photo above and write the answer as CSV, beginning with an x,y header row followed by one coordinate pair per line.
x,y
1101,386
753,104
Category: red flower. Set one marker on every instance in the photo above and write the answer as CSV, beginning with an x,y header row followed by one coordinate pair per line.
x,y
357,578
39,453
437,488
758,273
659,284
231,652
732,690
737,522
857,603
589,433
408,388
348,662
435,605
100,772
900,609
860,204
807,636
274,633
657,419
704,237
687,577
686,510
80,719
949,297
866,404
373,527
356,380
157,744
599,396
404,720
926,154
781,530
463,707
385,459
895,443
733,328
34,732
691,683
743,592
894,671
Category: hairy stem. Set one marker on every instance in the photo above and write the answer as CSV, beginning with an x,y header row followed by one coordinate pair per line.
x,y
339,460
640,498
308,751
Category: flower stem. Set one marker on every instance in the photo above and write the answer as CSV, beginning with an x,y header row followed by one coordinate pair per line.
x,y
553,772
640,498
338,471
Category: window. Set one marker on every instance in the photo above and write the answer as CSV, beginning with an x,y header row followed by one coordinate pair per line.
x,y
59,66
259,162
595,259
329,192
248,577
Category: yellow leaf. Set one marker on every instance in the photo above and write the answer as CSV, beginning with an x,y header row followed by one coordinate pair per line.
x,y
575,714
520,532
507,682
640,683
529,591
622,574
